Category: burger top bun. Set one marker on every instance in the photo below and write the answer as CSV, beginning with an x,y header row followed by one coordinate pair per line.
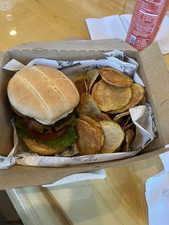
x,y
43,93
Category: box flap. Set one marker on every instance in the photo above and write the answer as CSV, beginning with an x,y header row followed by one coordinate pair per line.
x,y
156,77
66,49
20,176
153,71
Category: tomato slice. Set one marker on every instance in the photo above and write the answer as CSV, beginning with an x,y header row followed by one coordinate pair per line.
x,y
47,137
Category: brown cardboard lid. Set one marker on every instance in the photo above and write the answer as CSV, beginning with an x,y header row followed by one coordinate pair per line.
x,y
156,78
83,49
20,176
76,45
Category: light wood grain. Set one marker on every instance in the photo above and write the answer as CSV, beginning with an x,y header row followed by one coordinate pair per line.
x,y
41,20
119,199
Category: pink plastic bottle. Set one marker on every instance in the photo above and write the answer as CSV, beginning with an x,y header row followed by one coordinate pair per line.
x,y
145,23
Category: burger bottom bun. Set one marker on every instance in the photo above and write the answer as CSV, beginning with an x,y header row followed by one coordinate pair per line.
x,y
41,149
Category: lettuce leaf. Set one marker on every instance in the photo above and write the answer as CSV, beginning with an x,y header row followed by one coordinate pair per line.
x,y
63,141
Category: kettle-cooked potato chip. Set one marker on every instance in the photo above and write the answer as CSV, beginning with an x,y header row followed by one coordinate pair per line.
x,y
116,78
102,116
125,123
114,136
90,136
81,83
110,98
90,120
129,137
129,125
137,96
119,117
71,151
87,105
92,76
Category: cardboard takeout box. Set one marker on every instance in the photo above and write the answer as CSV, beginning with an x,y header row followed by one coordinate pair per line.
x,y
152,69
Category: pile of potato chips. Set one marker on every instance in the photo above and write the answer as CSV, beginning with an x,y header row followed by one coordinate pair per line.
x,y
104,124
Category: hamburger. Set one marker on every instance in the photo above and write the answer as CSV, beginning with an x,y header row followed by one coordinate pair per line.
x,y
43,100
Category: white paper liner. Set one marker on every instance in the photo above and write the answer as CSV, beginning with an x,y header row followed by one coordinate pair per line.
x,y
141,115
79,177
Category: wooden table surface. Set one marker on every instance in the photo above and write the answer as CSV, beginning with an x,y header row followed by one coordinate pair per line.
x,y
119,199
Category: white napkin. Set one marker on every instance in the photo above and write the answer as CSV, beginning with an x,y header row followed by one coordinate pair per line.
x,y
116,27
157,195
93,175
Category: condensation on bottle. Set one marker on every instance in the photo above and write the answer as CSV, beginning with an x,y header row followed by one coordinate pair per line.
x,y
145,23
